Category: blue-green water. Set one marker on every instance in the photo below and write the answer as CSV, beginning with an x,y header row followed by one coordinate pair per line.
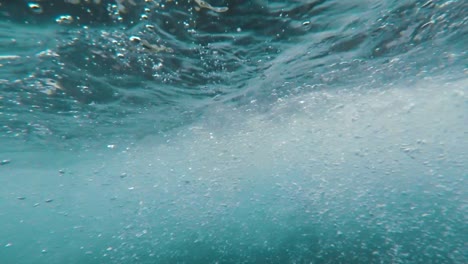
x,y
273,132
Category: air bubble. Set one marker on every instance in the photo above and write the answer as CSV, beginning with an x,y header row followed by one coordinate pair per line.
x,y
135,39
35,7
65,19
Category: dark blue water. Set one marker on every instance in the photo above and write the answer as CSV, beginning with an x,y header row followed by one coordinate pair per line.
x,y
233,131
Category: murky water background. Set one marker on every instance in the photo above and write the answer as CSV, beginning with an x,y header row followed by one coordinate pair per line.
x,y
270,132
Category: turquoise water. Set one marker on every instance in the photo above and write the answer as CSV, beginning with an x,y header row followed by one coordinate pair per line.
x,y
271,132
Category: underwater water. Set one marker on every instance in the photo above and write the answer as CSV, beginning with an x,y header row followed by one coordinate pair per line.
x,y
233,131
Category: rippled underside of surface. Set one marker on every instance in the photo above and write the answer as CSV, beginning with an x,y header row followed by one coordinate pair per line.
x,y
272,132
156,66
